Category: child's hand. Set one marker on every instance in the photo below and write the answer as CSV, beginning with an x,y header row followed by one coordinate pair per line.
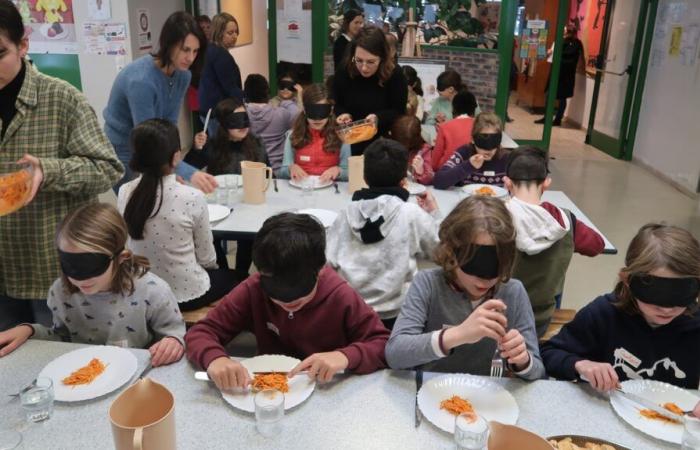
x,y
330,174
427,201
204,182
166,351
322,366
696,410
343,119
373,118
13,338
440,117
297,173
200,140
601,376
228,374
514,350
487,320
417,165
476,160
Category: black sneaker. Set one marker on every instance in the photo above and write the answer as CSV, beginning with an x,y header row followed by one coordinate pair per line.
x,y
556,123
540,120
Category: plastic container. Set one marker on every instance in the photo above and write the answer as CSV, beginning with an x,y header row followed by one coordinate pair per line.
x,y
15,186
358,131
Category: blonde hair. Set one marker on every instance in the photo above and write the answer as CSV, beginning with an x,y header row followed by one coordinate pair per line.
x,y
657,246
99,228
460,229
218,27
487,120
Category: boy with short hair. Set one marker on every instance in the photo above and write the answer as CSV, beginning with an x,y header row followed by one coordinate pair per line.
x,y
547,236
375,241
294,306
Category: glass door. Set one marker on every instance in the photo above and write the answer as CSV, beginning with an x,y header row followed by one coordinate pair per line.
x,y
616,79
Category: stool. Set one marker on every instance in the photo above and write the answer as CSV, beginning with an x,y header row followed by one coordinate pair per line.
x,y
560,318
192,317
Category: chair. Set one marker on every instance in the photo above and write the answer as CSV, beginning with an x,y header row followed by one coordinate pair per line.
x,y
194,316
560,318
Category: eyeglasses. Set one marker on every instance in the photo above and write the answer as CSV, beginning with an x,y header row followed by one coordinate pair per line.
x,y
370,63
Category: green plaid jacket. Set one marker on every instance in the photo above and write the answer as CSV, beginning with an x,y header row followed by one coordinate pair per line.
x,y
55,123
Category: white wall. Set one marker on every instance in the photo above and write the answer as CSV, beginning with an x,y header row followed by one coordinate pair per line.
x,y
668,136
253,58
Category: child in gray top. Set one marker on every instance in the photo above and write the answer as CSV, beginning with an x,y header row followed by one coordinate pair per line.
x,y
456,318
106,295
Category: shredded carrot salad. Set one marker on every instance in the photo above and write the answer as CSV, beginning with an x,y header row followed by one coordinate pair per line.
x,y
456,405
651,414
277,381
485,190
86,374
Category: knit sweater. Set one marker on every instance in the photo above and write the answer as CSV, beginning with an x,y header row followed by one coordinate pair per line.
x,y
433,304
221,78
335,319
137,320
142,91
458,170
601,332
270,124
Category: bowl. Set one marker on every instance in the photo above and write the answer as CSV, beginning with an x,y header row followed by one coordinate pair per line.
x,y
581,441
358,131
15,186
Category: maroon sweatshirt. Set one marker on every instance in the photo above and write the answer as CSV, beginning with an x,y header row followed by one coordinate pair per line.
x,y
335,319
586,241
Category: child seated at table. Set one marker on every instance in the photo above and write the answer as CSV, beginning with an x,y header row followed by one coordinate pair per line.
x,y
481,162
457,132
233,142
407,131
375,241
295,306
269,123
547,236
449,84
459,317
287,89
168,222
106,294
313,146
648,327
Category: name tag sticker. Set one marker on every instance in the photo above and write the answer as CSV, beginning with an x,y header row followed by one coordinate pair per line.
x,y
490,173
305,158
627,357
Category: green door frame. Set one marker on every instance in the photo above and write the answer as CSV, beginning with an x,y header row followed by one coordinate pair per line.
x,y
622,146
505,45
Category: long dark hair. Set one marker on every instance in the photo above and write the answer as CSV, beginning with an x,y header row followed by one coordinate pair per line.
x,y
348,17
413,79
175,29
154,143
11,22
220,151
373,40
301,133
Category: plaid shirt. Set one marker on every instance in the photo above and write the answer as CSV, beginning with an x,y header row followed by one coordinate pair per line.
x,y
55,123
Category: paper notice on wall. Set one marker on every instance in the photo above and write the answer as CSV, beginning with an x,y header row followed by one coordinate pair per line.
x,y
674,48
99,9
657,57
294,36
104,38
144,39
677,11
689,44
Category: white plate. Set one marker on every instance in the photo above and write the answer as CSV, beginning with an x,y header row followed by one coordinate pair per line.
x,y
656,392
229,180
300,387
218,212
325,216
315,179
121,366
415,188
470,188
490,400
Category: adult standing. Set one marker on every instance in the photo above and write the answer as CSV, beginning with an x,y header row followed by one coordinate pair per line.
x,y
371,86
353,21
221,77
153,87
72,160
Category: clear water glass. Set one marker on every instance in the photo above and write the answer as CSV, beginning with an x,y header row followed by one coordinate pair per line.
x,y
307,192
222,191
37,400
232,189
269,412
471,432
10,440
691,433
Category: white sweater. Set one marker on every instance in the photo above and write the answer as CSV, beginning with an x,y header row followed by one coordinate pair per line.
x,y
381,272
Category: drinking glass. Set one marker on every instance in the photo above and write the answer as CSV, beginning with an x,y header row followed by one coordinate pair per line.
x,y
37,400
232,189
10,440
269,412
222,191
471,432
691,433
307,192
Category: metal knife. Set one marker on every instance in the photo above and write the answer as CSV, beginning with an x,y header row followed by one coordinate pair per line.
x,y
419,383
648,404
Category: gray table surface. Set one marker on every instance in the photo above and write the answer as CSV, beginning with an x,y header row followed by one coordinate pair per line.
x,y
355,412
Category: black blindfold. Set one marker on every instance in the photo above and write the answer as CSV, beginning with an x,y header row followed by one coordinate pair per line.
x,y
83,266
665,292
236,121
288,85
287,290
318,111
484,263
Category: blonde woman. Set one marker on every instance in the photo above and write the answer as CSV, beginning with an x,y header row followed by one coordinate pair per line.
x,y
221,77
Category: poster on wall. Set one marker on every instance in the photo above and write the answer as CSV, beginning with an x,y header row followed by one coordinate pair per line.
x,y
293,32
144,31
50,25
674,48
99,9
533,42
588,17
104,38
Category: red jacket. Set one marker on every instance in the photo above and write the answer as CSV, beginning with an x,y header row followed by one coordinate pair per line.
x,y
336,319
586,241
451,135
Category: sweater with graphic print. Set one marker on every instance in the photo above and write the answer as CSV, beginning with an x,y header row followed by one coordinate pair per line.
x,y
458,170
135,321
601,332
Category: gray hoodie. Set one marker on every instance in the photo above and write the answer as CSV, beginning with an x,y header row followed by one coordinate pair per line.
x,y
381,272
270,124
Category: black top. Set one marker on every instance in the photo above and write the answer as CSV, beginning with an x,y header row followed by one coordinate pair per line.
x,y
360,97
220,78
339,47
570,54
8,97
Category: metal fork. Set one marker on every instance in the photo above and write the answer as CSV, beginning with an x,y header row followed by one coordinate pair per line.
x,y
496,365
27,386
335,185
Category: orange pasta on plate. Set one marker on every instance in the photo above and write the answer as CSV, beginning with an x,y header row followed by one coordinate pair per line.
x,y
262,381
456,405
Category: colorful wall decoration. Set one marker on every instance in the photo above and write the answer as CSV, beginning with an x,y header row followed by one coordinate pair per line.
x,y
588,16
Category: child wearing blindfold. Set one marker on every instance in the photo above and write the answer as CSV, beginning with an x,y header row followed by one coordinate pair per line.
x,y
481,162
648,327
458,317
295,306
106,294
313,146
287,89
